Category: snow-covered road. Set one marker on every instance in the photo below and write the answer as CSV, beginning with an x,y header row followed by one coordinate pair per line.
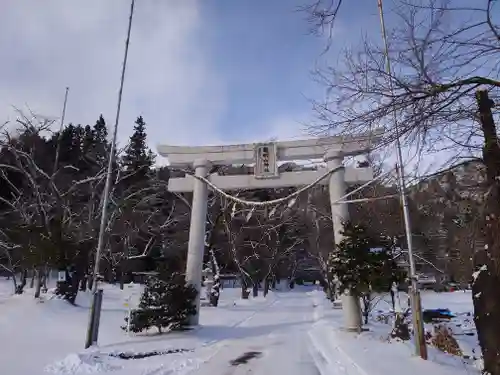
x,y
274,340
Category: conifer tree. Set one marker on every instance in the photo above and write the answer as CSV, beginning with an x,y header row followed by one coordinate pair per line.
x,y
363,264
138,158
100,141
167,302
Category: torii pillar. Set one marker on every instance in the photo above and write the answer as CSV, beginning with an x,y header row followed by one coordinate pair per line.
x,y
337,188
332,149
197,228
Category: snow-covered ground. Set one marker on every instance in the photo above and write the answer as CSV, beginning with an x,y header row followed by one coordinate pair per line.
x,y
372,353
289,332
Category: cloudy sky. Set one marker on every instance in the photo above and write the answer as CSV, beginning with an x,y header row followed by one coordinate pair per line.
x,y
199,72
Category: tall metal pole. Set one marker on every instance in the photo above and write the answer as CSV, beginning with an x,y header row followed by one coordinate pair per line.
x,y
415,295
94,315
63,115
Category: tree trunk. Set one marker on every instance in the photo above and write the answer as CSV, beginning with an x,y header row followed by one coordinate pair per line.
x,y
266,286
14,281
244,292
90,281
38,283
108,273
83,283
487,276
366,298
121,276
45,277
24,277
73,287
244,287
255,289
33,276
81,265
393,300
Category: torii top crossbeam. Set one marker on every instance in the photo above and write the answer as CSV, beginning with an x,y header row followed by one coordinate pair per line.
x,y
286,151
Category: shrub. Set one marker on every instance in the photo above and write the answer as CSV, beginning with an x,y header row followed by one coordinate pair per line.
x,y
167,302
444,341
401,329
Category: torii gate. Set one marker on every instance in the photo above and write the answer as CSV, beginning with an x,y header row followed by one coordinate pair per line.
x,y
265,156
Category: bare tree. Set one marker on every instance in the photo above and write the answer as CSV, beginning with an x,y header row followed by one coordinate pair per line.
x,y
40,215
8,262
261,240
280,235
242,256
316,215
441,55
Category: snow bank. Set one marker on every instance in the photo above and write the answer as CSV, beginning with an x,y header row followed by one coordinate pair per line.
x,y
86,363
335,350
371,352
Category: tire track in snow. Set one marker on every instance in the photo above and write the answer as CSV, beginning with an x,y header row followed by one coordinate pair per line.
x,y
243,321
281,349
239,324
193,364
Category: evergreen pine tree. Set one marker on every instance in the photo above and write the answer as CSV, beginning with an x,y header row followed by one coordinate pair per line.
x,y
136,164
100,141
138,159
100,130
167,302
352,263
88,139
363,264
69,145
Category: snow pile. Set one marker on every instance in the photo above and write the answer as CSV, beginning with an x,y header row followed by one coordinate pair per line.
x,y
85,363
373,353
334,349
184,366
328,355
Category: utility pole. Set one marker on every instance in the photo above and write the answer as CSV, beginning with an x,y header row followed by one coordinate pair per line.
x,y
95,307
416,307
61,127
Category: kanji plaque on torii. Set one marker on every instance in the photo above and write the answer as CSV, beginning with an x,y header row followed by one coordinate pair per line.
x,y
266,161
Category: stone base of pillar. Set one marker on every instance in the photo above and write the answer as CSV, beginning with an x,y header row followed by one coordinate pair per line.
x,y
351,309
194,320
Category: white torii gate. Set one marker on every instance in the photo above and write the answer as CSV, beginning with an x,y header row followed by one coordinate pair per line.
x,y
265,156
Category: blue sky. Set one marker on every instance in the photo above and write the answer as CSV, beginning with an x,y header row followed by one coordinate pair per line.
x,y
267,53
200,72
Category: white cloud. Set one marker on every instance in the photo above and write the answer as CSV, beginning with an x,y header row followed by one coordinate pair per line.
x,y
49,45
284,127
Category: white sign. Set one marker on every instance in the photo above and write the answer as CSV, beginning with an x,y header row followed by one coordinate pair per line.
x,y
61,276
130,293
266,160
